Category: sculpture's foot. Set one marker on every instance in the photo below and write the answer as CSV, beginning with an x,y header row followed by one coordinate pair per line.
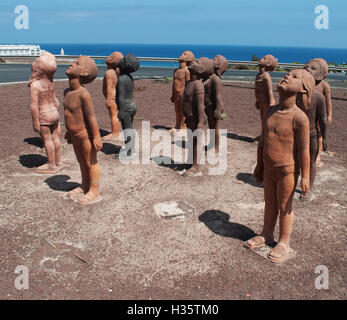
x,y
46,169
319,164
309,196
173,130
181,132
111,136
75,192
88,199
257,242
59,167
280,254
194,171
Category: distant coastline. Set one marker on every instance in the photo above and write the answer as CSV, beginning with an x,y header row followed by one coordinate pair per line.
x,y
244,53
283,54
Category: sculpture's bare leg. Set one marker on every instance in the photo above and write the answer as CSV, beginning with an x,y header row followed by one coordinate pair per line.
x,y
115,124
285,192
50,167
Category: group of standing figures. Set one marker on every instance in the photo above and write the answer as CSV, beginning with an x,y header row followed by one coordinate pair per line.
x,y
292,130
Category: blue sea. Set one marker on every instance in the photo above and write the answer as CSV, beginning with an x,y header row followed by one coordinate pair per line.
x,y
244,53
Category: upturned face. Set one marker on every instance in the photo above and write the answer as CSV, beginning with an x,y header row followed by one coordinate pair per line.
x,y
313,68
113,59
292,82
197,66
76,69
201,68
220,63
186,56
263,61
35,70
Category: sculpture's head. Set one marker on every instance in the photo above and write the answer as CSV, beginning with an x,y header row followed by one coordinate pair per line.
x,y
113,59
299,82
220,64
186,56
129,64
269,62
318,68
83,68
43,67
203,67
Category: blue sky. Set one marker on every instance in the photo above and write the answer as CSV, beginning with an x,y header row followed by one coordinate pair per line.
x,y
228,22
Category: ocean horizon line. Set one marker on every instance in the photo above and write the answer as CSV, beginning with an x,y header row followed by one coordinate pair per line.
x,y
173,44
284,54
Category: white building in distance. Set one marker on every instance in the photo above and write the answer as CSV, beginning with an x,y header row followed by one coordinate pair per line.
x,y
20,50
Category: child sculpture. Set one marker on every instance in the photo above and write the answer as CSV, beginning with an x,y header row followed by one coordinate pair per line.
x,y
319,69
109,91
316,112
82,128
180,77
263,84
125,101
193,106
45,111
213,98
283,152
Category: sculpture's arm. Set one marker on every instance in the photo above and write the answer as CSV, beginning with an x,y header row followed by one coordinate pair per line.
x,y
258,173
322,119
90,118
173,97
34,106
302,142
329,107
199,92
111,82
271,96
56,101
219,103
187,75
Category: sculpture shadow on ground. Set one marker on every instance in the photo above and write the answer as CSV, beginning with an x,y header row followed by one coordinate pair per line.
x,y
109,148
181,143
248,178
103,132
218,222
60,183
159,127
341,99
35,141
235,136
167,162
32,160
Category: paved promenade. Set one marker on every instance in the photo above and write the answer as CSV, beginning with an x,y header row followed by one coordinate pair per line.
x,y
22,72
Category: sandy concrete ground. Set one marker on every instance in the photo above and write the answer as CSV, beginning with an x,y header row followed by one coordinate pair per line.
x,y
122,247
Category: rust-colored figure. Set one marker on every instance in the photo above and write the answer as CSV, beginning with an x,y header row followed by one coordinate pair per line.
x,y
109,91
319,69
45,111
82,128
263,84
193,106
283,152
316,112
213,98
180,77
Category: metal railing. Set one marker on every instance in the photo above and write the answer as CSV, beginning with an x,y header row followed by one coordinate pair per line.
x,y
69,58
